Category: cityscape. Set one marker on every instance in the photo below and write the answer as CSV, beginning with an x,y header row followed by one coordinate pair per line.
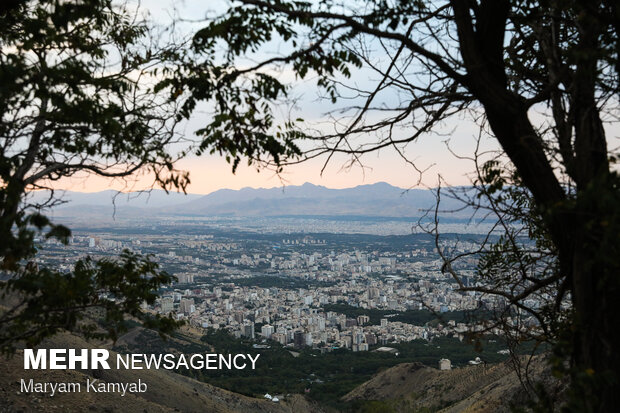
x,y
325,291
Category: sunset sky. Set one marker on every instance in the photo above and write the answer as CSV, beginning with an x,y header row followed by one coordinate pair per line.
x,y
211,172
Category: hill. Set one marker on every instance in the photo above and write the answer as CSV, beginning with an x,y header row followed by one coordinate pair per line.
x,y
411,387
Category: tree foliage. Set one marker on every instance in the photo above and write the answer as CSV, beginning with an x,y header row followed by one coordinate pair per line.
x,y
76,97
92,300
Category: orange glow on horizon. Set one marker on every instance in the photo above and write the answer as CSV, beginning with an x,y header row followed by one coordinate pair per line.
x,y
208,174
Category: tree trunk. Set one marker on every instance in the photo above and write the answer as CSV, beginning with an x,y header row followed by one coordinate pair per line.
x,y
586,234
596,299
584,226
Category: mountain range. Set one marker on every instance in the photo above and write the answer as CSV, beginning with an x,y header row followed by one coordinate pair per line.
x,y
374,200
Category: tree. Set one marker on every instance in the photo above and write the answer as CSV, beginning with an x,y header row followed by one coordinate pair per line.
x,y
76,97
497,60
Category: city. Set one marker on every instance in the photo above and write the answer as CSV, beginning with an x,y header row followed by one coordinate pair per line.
x,y
326,291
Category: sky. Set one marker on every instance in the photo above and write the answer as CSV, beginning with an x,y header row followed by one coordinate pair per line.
x,y
211,172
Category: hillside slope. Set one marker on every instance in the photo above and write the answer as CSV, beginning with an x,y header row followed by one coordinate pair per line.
x,y
483,388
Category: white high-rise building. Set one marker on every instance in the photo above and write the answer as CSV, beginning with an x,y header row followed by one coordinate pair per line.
x,y
267,331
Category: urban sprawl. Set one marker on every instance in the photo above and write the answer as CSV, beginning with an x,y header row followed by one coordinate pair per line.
x,y
291,288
